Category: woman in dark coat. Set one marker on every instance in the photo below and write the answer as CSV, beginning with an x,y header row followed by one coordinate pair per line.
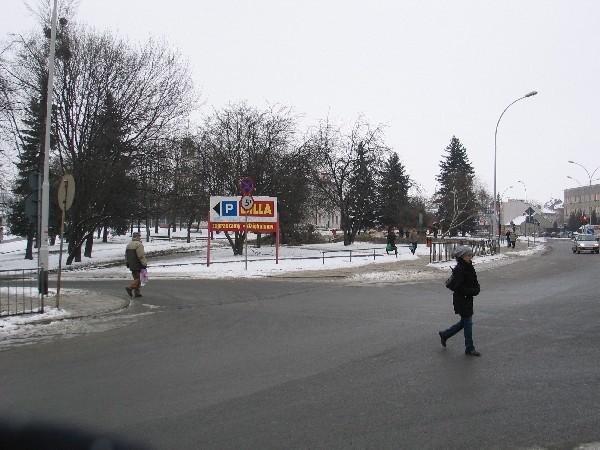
x,y
464,286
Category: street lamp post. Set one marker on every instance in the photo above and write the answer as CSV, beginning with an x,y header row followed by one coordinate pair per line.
x,y
590,176
500,212
525,187
531,94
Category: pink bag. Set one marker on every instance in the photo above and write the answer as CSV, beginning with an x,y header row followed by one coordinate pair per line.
x,y
143,276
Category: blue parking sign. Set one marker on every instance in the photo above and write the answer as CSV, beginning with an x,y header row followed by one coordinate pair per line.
x,y
229,208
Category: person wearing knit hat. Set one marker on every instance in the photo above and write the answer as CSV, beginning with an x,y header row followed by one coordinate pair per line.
x,y
464,286
463,250
135,258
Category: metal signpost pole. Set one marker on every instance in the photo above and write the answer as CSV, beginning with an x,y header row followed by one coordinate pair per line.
x,y
66,192
43,253
246,241
246,186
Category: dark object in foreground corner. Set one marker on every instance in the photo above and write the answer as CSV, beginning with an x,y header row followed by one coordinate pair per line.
x,y
24,434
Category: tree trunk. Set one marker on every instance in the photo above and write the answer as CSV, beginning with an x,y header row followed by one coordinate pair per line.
x,y
105,234
74,254
89,244
240,244
237,244
29,248
232,242
78,253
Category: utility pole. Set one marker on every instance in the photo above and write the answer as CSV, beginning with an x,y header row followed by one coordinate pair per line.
x,y
43,252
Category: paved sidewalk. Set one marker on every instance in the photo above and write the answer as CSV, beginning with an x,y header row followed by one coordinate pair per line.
x,y
74,304
88,303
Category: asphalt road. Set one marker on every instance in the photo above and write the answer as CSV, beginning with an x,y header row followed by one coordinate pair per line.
x,y
283,364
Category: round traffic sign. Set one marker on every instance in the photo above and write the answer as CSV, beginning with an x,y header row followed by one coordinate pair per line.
x,y
66,192
247,185
247,202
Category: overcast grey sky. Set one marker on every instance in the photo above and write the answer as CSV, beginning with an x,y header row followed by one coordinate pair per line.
x,y
427,70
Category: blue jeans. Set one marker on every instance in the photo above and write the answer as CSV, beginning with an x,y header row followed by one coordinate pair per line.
x,y
465,323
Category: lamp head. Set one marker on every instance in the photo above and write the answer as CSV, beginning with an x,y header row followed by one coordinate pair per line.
x,y
531,94
571,162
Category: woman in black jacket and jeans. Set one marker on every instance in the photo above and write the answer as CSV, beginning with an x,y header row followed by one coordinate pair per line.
x,y
464,286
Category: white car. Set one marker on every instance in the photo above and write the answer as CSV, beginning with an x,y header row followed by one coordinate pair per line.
x,y
585,243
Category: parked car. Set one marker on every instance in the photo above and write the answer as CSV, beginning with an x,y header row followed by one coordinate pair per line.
x,y
585,243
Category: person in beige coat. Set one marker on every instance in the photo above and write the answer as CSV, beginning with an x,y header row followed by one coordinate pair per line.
x,y
135,258
413,238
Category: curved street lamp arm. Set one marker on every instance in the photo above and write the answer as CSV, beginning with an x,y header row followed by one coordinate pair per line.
x,y
590,176
593,173
530,94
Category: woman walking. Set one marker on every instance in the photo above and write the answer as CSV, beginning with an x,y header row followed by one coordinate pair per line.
x,y
465,286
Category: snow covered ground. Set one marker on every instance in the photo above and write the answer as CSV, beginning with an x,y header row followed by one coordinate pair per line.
x,y
190,260
356,263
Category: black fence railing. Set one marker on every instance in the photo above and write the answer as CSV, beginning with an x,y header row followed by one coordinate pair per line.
x,y
358,253
441,251
20,293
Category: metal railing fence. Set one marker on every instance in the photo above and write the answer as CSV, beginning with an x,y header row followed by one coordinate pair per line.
x,y
441,251
20,293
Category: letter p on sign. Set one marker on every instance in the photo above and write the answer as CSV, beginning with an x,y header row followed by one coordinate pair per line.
x,y
229,208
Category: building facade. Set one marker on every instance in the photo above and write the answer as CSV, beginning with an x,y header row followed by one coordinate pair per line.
x,y
514,213
582,200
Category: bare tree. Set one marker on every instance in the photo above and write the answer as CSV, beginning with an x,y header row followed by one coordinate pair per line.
x,y
241,141
150,91
188,196
345,168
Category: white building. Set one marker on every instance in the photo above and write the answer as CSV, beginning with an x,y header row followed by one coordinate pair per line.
x,y
327,219
514,212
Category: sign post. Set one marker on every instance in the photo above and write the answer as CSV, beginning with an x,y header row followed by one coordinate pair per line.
x,y
246,187
246,203
66,193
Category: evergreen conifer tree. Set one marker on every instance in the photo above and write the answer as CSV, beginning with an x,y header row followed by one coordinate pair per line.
x,y
455,198
32,140
361,204
393,192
